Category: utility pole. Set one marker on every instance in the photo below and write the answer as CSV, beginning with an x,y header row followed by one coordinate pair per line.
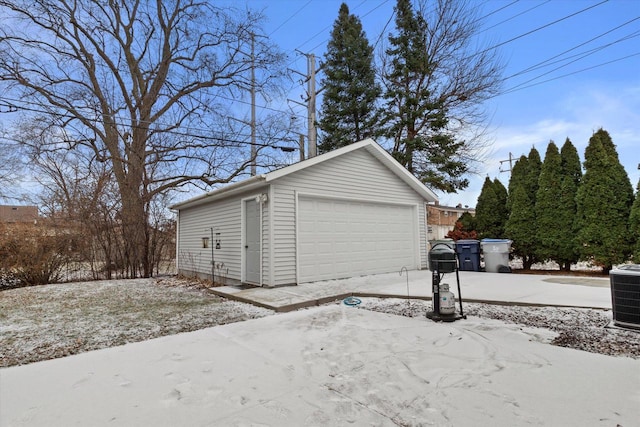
x,y
254,151
311,109
301,147
510,161
310,79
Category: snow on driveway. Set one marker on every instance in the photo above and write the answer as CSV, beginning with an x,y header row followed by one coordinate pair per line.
x,y
332,365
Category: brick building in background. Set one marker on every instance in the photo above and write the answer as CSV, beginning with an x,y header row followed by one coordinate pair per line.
x,y
442,219
16,214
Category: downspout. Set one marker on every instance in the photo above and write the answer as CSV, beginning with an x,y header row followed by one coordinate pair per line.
x,y
262,199
178,242
261,231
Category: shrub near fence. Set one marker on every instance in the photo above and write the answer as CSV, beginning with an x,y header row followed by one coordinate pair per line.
x,y
33,254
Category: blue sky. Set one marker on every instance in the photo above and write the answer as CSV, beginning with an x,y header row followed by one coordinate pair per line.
x,y
574,104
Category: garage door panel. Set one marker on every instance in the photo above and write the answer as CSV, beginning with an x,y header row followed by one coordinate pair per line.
x,y
338,238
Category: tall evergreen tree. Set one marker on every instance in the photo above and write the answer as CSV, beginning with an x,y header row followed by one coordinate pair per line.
x,y
518,177
571,168
502,213
348,112
490,209
518,227
534,166
521,223
634,225
567,249
604,203
432,82
417,122
548,207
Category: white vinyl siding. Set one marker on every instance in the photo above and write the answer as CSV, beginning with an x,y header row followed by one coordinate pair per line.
x,y
357,175
225,216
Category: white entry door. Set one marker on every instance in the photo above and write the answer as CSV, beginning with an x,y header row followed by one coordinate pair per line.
x,y
252,241
344,238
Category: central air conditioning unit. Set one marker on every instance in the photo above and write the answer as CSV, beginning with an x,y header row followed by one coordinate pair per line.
x,y
625,295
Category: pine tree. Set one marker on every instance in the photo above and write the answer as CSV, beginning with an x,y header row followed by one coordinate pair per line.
x,y
571,176
436,77
534,165
571,168
604,203
518,177
348,112
518,227
468,221
502,213
548,207
521,223
491,210
416,121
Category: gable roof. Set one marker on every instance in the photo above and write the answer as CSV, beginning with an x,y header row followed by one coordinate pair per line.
x,y
259,180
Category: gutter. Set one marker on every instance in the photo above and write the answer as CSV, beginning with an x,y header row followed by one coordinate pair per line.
x,y
227,190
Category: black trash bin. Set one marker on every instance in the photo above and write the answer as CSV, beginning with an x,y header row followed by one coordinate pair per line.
x,y
442,258
468,254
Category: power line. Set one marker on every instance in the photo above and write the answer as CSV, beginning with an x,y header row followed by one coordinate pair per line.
x,y
299,47
329,26
536,66
571,74
542,63
539,28
512,17
123,122
498,10
580,56
290,18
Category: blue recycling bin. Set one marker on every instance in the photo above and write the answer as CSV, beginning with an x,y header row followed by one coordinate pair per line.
x,y
468,251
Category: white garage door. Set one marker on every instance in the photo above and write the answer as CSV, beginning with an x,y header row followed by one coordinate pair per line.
x,y
340,238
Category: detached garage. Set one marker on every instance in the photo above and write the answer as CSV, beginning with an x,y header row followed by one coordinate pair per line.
x,y
351,212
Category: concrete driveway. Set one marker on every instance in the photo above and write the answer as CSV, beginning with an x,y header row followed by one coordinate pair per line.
x,y
569,291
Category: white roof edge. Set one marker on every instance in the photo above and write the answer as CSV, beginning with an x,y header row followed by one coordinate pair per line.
x,y
382,155
224,191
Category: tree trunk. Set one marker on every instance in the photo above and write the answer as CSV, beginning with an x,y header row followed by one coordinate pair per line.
x,y
135,235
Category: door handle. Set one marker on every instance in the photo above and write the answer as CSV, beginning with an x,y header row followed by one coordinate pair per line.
x,y
246,246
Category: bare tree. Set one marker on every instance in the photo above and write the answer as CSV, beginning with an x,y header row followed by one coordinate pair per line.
x,y
144,85
10,167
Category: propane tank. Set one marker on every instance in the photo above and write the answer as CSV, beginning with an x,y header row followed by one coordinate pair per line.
x,y
447,300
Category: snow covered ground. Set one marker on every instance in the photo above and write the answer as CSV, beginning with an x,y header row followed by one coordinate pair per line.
x,y
332,365
380,363
45,322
